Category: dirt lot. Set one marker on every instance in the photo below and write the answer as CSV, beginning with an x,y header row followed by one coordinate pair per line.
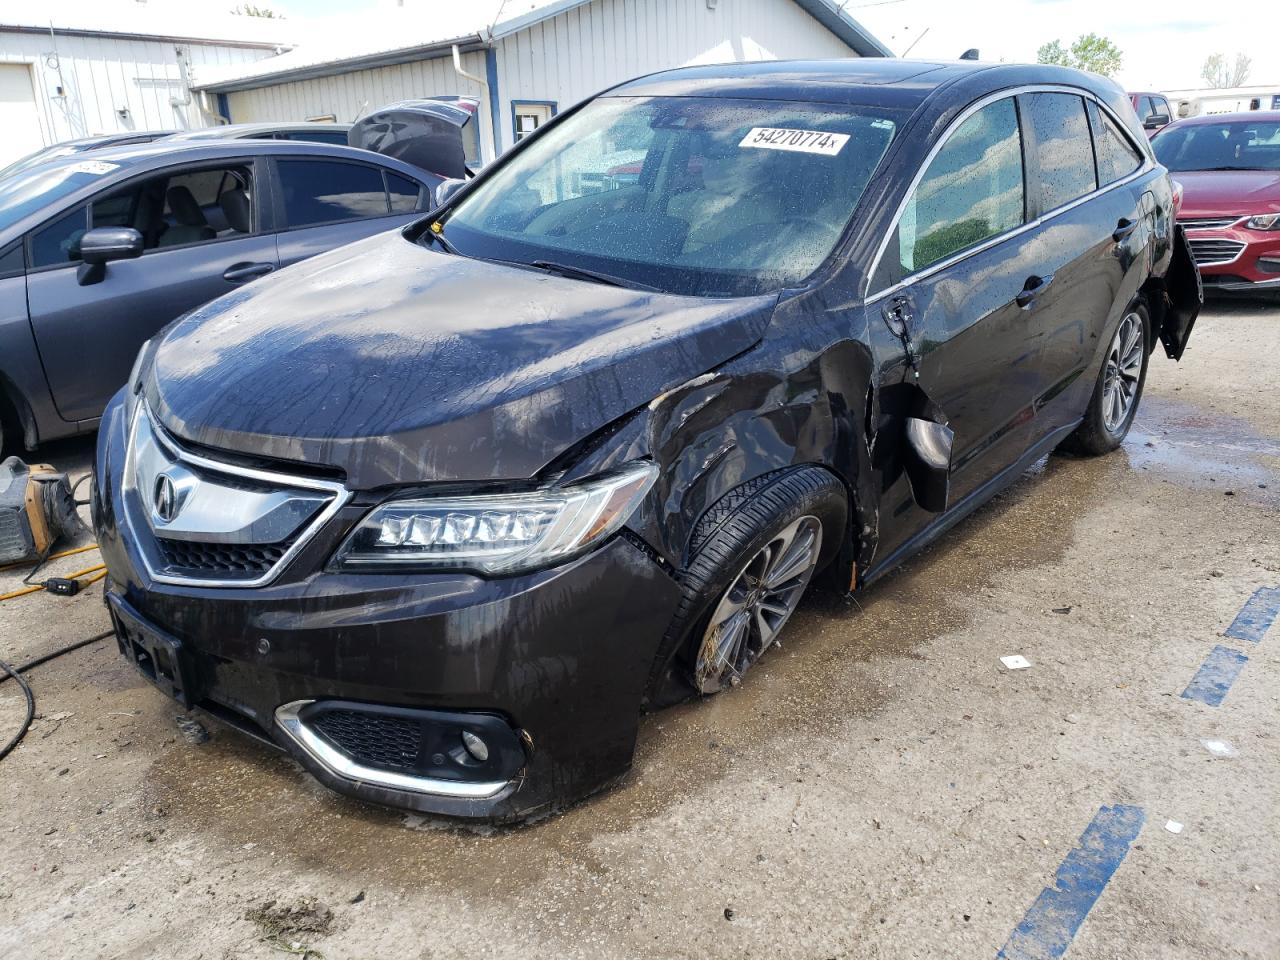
x,y
880,787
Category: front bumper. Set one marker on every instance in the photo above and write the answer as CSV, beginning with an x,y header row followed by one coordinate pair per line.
x,y
1243,260
561,656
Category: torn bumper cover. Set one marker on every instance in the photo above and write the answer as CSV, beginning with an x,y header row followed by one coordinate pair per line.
x,y
445,693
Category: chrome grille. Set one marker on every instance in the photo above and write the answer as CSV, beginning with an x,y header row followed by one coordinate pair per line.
x,y
1209,252
209,523
1206,223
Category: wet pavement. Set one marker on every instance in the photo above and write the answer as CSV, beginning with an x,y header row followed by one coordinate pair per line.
x,y
881,786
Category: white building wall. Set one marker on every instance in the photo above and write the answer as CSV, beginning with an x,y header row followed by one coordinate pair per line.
x,y
563,59
578,53
348,96
101,74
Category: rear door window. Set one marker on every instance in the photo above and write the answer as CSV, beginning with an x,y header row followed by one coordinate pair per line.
x,y
971,191
1117,157
1063,154
330,191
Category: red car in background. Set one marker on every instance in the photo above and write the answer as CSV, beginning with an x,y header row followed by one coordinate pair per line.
x,y
1229,167
1153,111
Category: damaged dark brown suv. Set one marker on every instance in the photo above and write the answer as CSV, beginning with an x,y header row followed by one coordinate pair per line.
x,y
439,512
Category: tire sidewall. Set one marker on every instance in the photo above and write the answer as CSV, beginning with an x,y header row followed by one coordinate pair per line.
x,y
821,504
1116,437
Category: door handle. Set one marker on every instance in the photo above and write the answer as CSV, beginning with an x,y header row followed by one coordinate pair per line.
x,y
1123,228
1032,289
244,272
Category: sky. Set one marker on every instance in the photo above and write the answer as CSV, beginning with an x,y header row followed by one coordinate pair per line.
x,y
1164,43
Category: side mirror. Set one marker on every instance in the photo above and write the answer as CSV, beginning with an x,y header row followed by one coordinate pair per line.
x,y
447,189
102,245
928,462
1156,121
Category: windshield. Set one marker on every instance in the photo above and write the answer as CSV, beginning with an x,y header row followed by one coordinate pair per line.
x,y
703,196
40,156
1229,145
26,192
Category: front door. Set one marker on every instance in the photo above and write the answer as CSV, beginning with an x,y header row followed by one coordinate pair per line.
x,y
200,241
959,283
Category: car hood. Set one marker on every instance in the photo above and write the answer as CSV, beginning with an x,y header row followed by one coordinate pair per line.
x,y
1224,193
398,364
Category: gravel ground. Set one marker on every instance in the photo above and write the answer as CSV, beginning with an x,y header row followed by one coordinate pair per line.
x,y
880,787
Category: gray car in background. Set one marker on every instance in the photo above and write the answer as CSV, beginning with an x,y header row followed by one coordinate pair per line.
x,y
99,251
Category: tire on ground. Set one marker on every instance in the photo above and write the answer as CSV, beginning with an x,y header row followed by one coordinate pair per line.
x,y
728,535
1092,437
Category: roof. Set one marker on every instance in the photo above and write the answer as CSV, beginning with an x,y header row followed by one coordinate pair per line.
x,y
904,82
232,131
154,20
404,34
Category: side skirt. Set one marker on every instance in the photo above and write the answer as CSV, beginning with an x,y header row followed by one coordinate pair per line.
x,y
975,499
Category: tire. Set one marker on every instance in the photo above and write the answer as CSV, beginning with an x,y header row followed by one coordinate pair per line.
x,y
1112,407
767,516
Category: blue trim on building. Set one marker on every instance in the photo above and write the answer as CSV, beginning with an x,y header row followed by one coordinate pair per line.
x,y
495,101
553,104
224,107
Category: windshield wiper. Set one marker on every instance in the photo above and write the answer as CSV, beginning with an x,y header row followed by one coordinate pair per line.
x,y
445,245
594,276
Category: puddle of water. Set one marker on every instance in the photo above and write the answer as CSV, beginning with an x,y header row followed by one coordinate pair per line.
x,y
1188,446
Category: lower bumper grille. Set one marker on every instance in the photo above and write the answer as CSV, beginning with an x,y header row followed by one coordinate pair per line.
x,y
1209,252
230,561
375,740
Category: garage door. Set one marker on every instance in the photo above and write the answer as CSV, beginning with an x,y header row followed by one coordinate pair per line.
x,y
19,121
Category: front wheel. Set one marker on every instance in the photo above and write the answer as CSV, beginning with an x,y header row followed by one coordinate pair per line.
x,y
1115,398
755,552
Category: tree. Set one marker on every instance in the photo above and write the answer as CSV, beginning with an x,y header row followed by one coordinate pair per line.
x,y
1217,73
249,10
1090,52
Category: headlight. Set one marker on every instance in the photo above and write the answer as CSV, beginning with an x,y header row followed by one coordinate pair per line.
x,y
501,533
1267,221
136,373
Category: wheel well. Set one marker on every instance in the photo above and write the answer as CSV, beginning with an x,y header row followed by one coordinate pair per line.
x,y
719,511
15,416
1152,295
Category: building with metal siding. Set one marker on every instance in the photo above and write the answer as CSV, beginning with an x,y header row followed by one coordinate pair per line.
x,y
110,67
524,69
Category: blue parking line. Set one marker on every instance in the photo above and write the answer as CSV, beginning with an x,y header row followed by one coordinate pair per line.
x,y
1256,616
1050,925
1215,676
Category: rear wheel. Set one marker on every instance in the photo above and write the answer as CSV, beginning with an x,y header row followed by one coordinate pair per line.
x,y
1116,395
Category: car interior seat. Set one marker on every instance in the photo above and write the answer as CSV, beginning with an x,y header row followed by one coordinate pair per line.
x,y
237,209
192,227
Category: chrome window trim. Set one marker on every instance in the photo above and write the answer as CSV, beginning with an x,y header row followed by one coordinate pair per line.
x,y
340,765
339,492
1145,167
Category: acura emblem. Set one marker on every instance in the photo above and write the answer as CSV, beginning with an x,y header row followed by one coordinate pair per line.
x,y
165,498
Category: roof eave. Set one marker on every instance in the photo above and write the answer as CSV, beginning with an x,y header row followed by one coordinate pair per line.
x,y
313,71
855,35
161,37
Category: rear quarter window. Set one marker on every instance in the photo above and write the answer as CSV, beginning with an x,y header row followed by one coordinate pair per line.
x,y
1117,157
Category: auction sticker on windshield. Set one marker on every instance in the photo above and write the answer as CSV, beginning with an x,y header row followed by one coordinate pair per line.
x,y
798,141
